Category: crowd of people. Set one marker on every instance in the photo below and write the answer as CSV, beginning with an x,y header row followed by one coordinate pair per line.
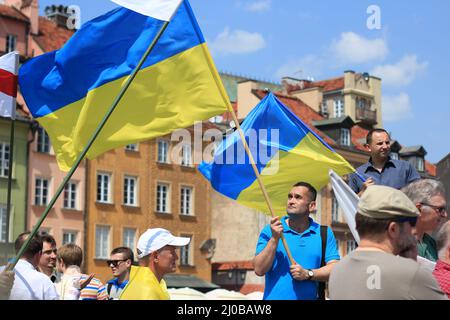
x,y
403,252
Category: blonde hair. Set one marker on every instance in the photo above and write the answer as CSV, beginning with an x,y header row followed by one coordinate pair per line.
x,y
70,254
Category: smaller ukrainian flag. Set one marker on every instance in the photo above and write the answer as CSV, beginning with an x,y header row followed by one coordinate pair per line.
x,y
285,150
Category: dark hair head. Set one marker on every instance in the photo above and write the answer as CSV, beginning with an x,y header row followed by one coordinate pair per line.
x,y
127,252
34,246
48,238
312,191
372,228
370,134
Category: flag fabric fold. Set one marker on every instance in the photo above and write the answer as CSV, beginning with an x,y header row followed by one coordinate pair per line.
x,y
68,91
285,150
347,200
8,84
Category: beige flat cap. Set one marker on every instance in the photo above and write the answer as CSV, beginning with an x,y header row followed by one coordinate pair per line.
x,y
382,202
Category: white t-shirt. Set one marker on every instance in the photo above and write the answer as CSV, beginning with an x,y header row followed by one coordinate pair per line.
x,y
30,284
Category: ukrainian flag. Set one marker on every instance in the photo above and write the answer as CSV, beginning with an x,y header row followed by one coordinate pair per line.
x,y
285,150
70,90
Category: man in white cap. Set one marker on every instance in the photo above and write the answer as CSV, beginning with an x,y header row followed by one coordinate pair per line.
x,y
157,257
385,221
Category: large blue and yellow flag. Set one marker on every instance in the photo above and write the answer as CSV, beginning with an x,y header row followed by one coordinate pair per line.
x,y
285,150
70,90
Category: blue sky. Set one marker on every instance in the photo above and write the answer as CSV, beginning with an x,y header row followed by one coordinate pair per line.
x,y
268,39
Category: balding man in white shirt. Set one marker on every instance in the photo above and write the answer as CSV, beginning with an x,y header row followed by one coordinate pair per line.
x,y
30,284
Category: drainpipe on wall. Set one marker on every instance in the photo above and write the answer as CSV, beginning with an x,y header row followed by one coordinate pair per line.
x,y
34,125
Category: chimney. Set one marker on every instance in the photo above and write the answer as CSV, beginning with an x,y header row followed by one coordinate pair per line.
x,y
57,14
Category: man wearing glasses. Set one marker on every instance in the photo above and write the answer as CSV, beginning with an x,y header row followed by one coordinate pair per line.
x,y
120,263
428,195
385,221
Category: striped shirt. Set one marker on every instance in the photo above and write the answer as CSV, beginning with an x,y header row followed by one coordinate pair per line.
x,y
95,290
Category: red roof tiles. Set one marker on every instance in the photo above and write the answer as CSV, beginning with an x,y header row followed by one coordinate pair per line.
x,y
326,85
13,13
51,36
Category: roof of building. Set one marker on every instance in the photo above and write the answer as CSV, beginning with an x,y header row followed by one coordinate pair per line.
x,y
413,149
231,265
329,85
334,121
51,36
12,12
430,168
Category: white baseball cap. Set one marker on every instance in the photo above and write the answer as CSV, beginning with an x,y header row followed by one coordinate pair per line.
x,y
154,239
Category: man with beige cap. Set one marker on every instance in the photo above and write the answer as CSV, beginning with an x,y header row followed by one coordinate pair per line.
x,y
157,257
385,221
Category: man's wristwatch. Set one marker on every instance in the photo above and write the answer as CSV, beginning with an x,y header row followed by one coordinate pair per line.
x,y
310,274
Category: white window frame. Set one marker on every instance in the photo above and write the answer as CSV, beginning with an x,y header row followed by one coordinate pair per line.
x,y
5,156
102,241
186,200
130,191
420,164
3,218
42,141
160,199
186,155
335,214
324,107
345,138
162,151
41,192
186,252
70,195
11,43
101,187
128,241
72,234
132,147
339,108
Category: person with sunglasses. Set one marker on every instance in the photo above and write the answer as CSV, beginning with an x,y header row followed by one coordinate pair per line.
x,y
428,196
385,221
120,262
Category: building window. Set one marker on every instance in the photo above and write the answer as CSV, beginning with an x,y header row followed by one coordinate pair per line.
x,y
163,150
11,42
338,108
131,147
43,141
345,137
41,192
338,246
3,226
186,200
324,108
394,155
69,237
129,238
102,242
186,155
351,245
334,210
186,255
162,198
104,187
70,195
130,191
4,159
419,164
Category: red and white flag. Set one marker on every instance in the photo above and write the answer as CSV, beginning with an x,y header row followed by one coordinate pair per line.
x,y
8,84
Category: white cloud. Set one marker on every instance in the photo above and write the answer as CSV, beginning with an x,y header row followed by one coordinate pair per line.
x,y
352,48
402,73
302,68
396,107
237,42
258,6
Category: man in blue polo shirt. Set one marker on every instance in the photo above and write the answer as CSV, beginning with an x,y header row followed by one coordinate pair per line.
x,y
381,169
298,281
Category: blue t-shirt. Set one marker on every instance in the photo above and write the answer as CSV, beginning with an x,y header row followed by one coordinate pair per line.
x,y
395,174
306,249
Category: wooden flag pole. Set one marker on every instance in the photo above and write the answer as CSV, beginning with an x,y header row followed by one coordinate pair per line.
x,y
35,229
258,177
